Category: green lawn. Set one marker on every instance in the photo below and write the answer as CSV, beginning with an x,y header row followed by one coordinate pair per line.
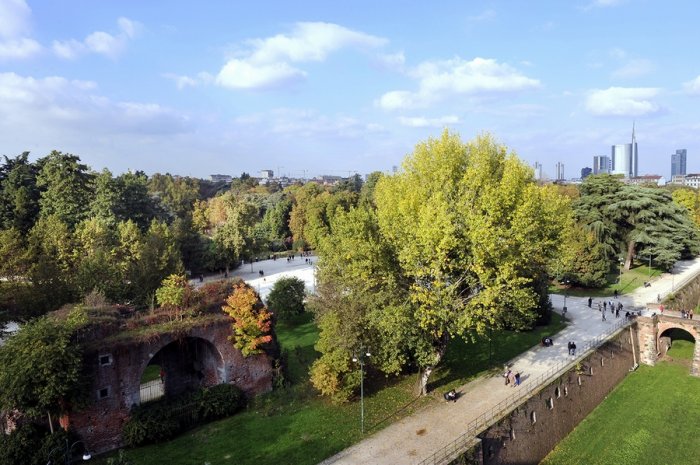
x,y
650,418
631,280
295,426
682,346
151,373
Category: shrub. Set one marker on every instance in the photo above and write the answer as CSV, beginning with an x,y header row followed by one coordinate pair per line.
x,y
30,444
287,297
162,420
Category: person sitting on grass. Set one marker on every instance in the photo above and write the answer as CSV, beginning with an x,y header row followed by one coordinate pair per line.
x,y
451,396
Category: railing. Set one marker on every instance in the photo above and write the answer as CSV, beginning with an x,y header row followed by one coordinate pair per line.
x,y
452,450
151,390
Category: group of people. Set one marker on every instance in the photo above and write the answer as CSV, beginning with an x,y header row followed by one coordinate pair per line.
x,y
512,378
687,314
605,305
572,348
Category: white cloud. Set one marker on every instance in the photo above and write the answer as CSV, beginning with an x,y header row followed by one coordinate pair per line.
x,y
440,80
603,4
62,106
268,62
18,48
103,43
693,86
15,18
296,123
623,101
392,61
422,122
633,69
189,81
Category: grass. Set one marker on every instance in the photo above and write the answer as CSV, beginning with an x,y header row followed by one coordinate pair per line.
x,y
295,425
649,419
151,373
682,345
631,280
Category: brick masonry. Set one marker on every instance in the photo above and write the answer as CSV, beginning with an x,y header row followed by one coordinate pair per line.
x,y
203,356
528,433
654,337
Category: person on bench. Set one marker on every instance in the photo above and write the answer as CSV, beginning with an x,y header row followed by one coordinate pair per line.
x,y
547,341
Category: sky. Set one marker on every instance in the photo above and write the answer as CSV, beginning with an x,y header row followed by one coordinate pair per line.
x,y
306,88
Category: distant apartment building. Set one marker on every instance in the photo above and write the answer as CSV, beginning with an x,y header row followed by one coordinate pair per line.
x,y
690,180
267,174
602,164
560,171
678,162
654,179
221,178
585,172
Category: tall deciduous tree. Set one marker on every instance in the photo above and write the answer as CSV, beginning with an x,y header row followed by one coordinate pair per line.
x,y
66,187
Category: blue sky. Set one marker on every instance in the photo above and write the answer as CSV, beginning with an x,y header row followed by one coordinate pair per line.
x,y
337,87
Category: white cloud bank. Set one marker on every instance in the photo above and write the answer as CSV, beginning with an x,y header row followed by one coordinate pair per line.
x,y
422,122
103,43
270,62
14,29
623,101
441,80
692,87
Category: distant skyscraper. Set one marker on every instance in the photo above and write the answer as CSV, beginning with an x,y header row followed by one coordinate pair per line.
x,y
624,158
602,164
560,171
678,162
538,171
585,172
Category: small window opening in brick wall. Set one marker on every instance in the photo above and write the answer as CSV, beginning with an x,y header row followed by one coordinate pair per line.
x,y
579,380
103,393
550,403
566,391
590,370
533,417
557,392
105,359
602,361
512,434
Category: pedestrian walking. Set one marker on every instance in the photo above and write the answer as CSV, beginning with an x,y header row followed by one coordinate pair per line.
x,y
600,307
590,302
511,379
605,305
517,379
573,348
506,375
615,293
604,315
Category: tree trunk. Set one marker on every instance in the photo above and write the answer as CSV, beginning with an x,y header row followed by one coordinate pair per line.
x,y
50,422
441,347
630,255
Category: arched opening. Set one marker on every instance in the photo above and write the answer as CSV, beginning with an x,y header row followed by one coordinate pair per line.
x,y
677,343
183,365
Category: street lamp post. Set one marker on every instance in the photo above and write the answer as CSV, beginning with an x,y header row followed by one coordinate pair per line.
x,y
360,358
673,280
619,279
566,292
649,267
68,453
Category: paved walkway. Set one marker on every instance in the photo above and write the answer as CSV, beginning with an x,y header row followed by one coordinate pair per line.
x,y
416,437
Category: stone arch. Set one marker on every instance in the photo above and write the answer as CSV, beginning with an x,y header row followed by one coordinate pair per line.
x,y
186,363
670,333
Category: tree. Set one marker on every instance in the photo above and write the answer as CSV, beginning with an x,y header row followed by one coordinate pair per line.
x,y
158,257
41,367
287,297
66,187
19,194
251,320
235,235
175,293
460,245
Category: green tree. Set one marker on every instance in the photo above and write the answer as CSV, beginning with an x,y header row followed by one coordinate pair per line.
x,y
19,194
287,297
66,187
41,368
158,257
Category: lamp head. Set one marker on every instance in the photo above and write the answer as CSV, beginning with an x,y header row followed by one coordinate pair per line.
x,y
87,456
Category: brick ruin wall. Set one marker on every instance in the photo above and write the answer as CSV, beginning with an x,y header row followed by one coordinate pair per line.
x,y
116,372
528,433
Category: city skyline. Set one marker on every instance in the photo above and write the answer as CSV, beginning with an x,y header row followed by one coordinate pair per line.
x,y
323,88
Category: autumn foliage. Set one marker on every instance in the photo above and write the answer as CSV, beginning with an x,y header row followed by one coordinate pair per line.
x,y
251,326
